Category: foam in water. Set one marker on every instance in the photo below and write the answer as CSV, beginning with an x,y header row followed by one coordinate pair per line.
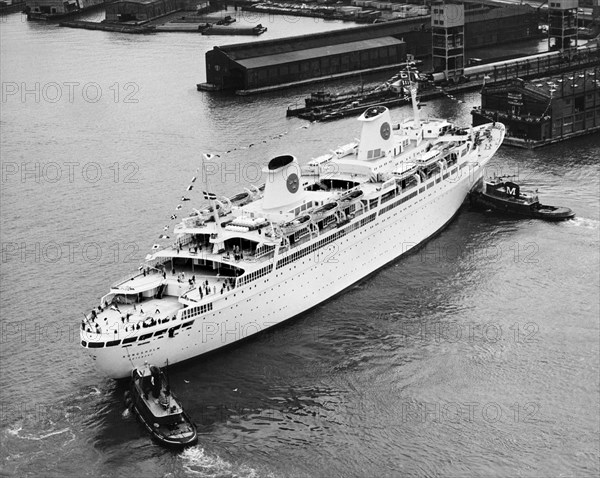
x,y
16,429
584,222
197,462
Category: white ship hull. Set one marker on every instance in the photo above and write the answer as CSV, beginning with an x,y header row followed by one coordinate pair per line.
x,y
308,281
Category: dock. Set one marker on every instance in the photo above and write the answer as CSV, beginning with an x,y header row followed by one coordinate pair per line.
x,y
474,78
228,30
107,27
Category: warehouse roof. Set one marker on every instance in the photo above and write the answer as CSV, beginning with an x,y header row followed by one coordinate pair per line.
x,y
240,51
319,52
137,2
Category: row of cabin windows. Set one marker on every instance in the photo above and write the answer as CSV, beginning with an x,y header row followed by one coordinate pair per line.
x,y
130,340
196,310
413,194
256,274
397,203
327,240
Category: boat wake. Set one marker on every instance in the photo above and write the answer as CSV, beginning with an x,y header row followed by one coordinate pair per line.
x,y
16,430
92,392
584,222
197,462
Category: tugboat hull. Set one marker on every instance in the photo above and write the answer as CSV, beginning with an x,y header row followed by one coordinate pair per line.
x,y
160,412
481,200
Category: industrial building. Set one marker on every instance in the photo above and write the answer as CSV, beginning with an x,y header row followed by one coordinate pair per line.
x,y
277,62
500,25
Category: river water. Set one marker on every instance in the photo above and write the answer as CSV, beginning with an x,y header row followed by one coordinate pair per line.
x,y
478,355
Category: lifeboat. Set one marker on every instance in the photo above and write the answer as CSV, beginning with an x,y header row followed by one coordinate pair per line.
x,y
346,150
242,198
295,224
324,211
348,198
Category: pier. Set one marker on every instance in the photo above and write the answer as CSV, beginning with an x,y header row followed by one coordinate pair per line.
x,y
107,27
474,78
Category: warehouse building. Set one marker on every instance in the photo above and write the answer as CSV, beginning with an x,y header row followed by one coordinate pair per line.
x,y
268,63
250,66
500,25
264,65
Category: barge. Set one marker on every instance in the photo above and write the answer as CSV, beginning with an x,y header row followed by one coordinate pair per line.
x,y
55,10
543,111
325,105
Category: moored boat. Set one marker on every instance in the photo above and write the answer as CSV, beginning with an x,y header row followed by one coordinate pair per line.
x,y
158,409
507,197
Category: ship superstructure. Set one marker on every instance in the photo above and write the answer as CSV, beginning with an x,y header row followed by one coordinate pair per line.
x,y
246,263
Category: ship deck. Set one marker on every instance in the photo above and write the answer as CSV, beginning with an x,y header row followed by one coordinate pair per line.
x,y
187,285
120,320
154,403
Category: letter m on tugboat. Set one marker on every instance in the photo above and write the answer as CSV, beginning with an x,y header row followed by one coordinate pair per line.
x,y
512,189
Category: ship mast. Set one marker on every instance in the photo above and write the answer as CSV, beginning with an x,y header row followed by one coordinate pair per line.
x,y
208,194
415,106
218,244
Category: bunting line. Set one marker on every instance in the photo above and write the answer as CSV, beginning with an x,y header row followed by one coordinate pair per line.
x,y
210,195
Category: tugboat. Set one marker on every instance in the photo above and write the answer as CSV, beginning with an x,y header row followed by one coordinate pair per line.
x,y
158,409
506,197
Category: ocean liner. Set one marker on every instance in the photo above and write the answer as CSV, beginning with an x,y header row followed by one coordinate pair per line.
x,y
249,262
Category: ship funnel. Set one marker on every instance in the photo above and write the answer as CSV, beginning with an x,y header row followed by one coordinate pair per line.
x,y
376,135
282,188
